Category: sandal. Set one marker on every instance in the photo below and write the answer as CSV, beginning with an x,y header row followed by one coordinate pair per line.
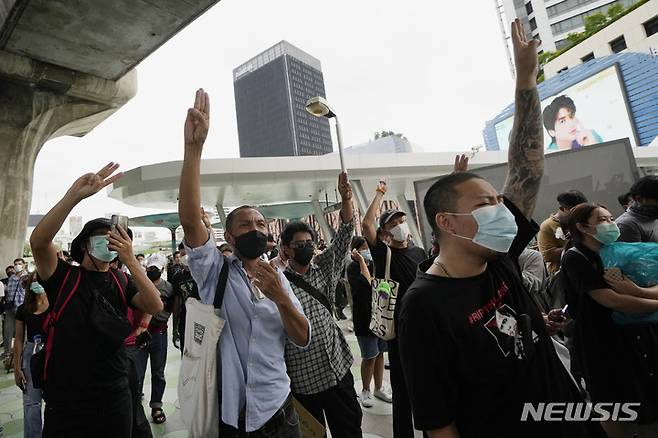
x,y
158,416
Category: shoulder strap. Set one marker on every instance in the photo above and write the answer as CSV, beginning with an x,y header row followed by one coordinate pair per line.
x,y
221,285
121,287
309,289
387,273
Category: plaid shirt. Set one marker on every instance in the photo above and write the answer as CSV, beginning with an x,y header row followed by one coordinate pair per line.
x,y
327,359
15,290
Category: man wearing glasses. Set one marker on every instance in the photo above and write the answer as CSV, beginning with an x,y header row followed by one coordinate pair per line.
x,y
320,376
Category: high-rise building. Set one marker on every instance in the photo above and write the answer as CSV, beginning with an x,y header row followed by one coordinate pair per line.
x,y
271,91
551,21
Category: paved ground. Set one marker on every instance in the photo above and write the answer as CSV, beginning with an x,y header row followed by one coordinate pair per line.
x,y
377,421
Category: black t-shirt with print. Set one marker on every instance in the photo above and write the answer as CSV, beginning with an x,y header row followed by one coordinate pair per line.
x,y
81,368
464,360
33,322
404,264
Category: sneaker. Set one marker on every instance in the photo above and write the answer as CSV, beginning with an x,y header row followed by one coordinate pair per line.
x,y
366,399
383,396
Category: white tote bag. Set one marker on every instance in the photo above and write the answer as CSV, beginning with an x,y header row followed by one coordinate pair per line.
x,y
384,297
197,383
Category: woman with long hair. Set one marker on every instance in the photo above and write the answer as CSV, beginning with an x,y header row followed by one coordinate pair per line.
x,y
620,362
29,338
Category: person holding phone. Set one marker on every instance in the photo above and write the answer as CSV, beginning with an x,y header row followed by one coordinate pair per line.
x,y
603,348
30,337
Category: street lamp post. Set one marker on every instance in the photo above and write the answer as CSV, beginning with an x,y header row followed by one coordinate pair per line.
x,y
319,107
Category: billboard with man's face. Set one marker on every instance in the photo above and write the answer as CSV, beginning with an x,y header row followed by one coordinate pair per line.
x,y
590,112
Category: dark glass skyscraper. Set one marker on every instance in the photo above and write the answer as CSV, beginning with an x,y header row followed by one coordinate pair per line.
x,y
271,91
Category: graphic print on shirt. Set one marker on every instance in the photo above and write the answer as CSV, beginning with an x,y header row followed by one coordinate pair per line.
x,y
504,329
199,331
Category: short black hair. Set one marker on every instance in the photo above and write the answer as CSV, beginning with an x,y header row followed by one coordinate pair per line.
x,y
357,242
442,197
139,255
231,216
8,268
296,227
181,246
176,253
19,260
646,187
571,198
624,199
549,115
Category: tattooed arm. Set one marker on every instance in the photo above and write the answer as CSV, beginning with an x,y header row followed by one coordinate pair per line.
x,y
526,149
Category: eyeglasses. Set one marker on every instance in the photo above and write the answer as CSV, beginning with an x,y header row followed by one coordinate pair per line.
x,y
299,244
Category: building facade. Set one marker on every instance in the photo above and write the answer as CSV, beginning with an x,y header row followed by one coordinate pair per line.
x,y
271,91
635,32
551,21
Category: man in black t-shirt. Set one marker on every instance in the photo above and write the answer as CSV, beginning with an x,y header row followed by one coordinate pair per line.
x,y
393,233
86,380
474,345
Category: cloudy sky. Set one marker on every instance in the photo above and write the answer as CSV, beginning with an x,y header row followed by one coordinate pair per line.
x,y
435,71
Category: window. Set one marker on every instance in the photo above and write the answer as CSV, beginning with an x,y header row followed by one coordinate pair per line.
x,y
618,44
561,44
578,21
533,24
587,57
651,26
528,8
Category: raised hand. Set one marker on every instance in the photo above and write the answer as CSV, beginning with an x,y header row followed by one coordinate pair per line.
x,y
356,256
381,187
198,121
461,163
525,53
268,281
91,183
120,242
344,187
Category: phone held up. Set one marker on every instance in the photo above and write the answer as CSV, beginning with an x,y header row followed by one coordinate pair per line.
x,y
119,220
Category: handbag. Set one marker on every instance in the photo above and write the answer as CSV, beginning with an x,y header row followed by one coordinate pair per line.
x,y
384,297
197,382
111,325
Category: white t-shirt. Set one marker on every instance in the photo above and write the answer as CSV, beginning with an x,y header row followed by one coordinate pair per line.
x,y
2,289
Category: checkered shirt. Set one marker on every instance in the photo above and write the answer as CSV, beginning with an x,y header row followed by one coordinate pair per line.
x,y
15,292
327,359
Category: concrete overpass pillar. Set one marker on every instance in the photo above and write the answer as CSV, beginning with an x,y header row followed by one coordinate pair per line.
x,y
361,197
39,102
222,214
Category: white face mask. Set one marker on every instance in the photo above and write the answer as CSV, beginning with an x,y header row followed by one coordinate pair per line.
x,y
400,232
18,268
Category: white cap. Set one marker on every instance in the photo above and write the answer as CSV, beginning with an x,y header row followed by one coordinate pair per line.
x,y
157,260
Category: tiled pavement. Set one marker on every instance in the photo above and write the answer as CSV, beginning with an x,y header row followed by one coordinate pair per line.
x,y
377,421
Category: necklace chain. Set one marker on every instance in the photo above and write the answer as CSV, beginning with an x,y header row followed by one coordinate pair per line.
x,y
439,264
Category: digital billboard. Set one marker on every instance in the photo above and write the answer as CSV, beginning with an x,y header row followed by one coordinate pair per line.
x,y
590,112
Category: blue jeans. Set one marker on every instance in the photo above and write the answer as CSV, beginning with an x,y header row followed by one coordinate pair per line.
x,y
157,350
31,398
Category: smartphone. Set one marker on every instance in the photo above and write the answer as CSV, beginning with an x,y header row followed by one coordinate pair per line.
x,y
119,220
564,309
615,273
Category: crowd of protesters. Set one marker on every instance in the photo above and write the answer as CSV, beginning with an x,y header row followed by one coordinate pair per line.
x,y
491,322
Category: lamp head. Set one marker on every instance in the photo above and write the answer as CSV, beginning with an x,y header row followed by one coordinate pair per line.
x,y
319,107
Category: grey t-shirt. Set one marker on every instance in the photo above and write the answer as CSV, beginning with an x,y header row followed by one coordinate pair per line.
x,y
166,295
636,227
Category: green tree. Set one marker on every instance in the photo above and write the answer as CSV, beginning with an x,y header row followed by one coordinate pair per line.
x,y
545,57
595,22
574,38
382,134
615,11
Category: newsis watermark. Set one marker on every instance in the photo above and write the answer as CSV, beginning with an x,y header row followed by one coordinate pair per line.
x,y
582,411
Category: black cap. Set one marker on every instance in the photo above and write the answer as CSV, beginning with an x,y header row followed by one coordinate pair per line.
x,y
388,215
76,246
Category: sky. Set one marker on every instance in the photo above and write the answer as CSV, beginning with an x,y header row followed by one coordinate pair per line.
x,y
434,71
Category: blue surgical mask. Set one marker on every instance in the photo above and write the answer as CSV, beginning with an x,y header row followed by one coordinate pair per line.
x,y
496,227
36,288
607,233
366,255
98,249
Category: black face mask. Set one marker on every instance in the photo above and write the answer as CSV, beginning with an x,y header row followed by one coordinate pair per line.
x,y
153,274
304,255
251,245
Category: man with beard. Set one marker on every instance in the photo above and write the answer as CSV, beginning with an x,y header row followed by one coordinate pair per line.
x,y
640,222
320,376
259,309
473,343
